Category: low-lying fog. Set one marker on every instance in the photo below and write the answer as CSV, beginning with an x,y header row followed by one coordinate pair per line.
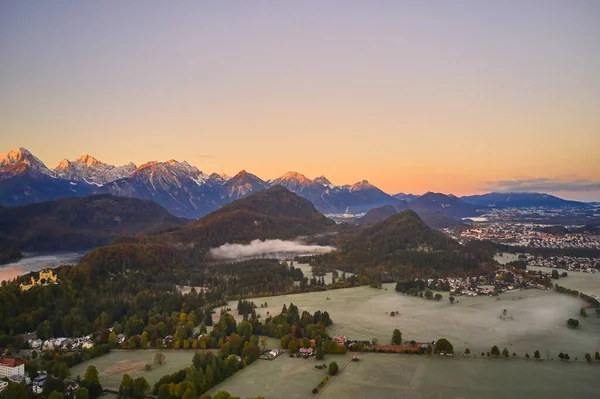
x,y
258,248
536,319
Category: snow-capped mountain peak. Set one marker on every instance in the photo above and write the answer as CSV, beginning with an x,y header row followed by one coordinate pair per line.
x,y
21,160
293,178
361,185
88,160
86,168
323,181
242,184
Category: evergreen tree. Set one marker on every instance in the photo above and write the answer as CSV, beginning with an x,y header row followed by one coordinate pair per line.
x,y
397,337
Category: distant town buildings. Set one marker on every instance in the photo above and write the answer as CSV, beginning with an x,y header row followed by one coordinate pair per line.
x,y
526,235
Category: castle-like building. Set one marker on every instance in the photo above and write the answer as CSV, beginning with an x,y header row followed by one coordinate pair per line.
x,y
46,277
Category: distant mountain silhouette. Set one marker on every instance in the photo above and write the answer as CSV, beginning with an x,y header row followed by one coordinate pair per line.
x,y
268,214
447,205
81,223
433,219
522,200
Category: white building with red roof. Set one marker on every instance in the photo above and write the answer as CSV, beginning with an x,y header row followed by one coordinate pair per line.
x,y
10,366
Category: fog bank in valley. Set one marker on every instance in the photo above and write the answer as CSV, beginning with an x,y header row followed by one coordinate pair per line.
x,y
268,247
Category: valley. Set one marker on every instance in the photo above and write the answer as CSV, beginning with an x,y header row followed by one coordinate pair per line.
x,y
212,293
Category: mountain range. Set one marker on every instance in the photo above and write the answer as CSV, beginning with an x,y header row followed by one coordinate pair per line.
x,y
188,192
178,186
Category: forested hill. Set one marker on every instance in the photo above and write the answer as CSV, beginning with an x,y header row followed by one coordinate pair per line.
x,y
79,223
404,246
272,213
431,218
403,231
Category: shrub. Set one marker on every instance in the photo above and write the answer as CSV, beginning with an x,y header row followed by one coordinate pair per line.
x,y
333,368
574,323
315,390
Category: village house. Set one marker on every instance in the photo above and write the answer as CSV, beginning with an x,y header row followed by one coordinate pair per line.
x,y
10,366
306,352
340,339
38,383
35,343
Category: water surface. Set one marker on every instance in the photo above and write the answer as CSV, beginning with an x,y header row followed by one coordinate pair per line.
x,y
33,262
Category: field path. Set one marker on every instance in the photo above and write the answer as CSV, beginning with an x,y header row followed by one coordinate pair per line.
x,y
332,378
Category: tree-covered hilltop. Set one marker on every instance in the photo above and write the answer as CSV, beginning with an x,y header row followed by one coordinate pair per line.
x,y
432,218
9,253
79,223
403,246
143,282
272,213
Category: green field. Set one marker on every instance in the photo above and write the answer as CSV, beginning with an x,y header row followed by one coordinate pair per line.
x,y
284,377
399,376
379,375
588,283
113,365
539,318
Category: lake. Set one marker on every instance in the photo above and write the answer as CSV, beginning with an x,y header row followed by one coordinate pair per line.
x,y
33,262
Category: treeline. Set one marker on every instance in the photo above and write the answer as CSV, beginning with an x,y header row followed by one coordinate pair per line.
x,y
593,302
133,288
239,346
405,264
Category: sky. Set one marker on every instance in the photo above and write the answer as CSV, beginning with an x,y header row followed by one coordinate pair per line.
x,y
457,96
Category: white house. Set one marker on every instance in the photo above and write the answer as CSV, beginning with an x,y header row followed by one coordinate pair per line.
x,y
35,343
87,345
10,366
48,345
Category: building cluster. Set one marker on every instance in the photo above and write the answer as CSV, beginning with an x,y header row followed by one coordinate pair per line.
x,y
61,343
507,280
45,277
570,263
527,235
503,280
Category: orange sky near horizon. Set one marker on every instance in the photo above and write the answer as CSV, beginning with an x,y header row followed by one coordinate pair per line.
x,y
413,96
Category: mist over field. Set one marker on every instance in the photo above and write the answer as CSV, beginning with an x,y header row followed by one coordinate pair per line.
x,y
267,247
